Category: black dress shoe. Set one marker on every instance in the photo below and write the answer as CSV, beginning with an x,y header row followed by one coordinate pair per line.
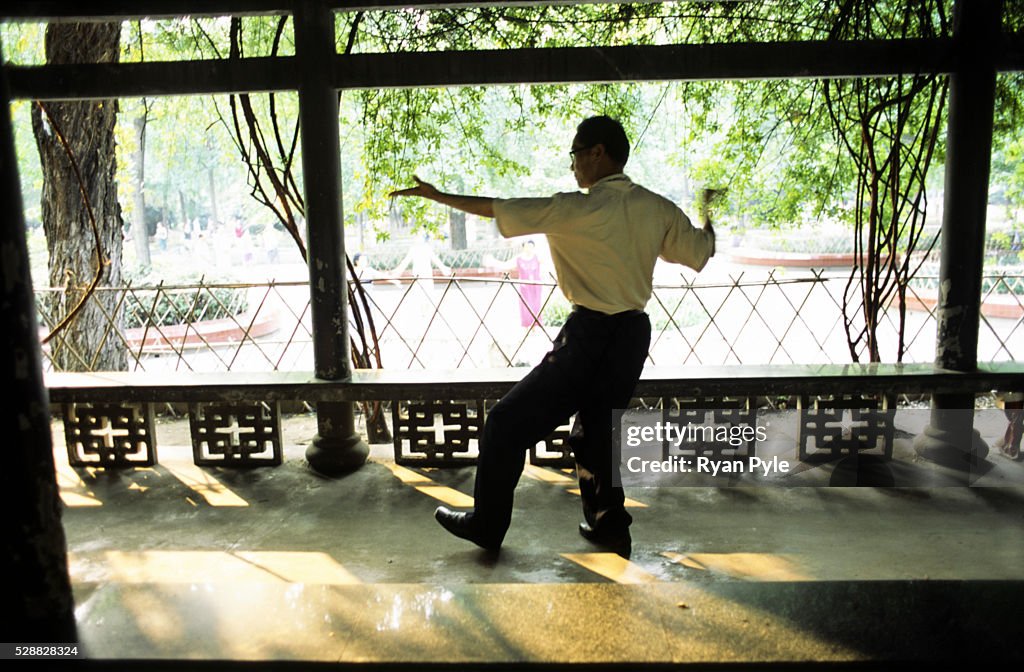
x,y
461,524
615,539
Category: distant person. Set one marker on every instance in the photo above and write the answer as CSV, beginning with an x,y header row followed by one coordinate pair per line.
x,y
161,236
369,277
604,245
366,274
187,233
526,264
423,258
269,241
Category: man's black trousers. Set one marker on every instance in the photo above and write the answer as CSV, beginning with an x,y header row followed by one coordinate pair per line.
x,y
592,368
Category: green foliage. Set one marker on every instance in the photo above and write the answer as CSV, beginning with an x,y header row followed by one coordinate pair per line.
x,y
1013,16
508,27
166,307
765,143
997,281
670,310
556,311
1008,143
205,37
1005,247
768,143
809,240
23,43
30,170
384,258
468,259
675,309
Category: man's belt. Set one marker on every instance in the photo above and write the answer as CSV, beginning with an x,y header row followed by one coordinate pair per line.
x,y
597,313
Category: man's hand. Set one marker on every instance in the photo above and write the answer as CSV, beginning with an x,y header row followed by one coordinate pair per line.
x,y
706,203
422,189
474,205
708,199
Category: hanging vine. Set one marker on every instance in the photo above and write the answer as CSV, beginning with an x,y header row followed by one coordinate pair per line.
x,y
889,127
269,155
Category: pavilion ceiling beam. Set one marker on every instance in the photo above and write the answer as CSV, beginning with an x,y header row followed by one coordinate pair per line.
x,y
645,63
113,10
374,5
457,68
462,68
127,80
1010,54
127,10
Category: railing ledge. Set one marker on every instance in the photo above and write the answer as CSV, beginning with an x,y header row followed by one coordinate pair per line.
x,y
680,381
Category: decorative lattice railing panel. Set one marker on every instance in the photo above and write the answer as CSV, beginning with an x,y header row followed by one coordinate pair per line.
x,y
833,427
241,434
110,435
477,322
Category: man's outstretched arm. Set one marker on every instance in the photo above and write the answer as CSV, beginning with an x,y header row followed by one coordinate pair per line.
x,y
474,205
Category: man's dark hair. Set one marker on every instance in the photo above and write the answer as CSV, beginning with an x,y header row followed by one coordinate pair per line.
x,y
605,131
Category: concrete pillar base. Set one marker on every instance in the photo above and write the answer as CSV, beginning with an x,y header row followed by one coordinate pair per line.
x,y
337,449
332,456
952,447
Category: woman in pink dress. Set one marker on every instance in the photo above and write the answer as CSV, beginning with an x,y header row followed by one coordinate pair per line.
x,y
528,266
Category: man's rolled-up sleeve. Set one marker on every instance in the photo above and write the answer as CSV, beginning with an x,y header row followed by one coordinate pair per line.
x,y
686,244
525,216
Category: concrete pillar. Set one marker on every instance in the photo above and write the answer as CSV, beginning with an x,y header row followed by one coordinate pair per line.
x,y
337,447
38,605
950,438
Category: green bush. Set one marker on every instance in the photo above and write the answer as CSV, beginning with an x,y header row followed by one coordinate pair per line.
x,y
475,258
556,311
805,241
685,310
997,280
386,258
165,307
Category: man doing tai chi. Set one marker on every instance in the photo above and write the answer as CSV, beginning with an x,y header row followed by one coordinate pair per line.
x,y
604,244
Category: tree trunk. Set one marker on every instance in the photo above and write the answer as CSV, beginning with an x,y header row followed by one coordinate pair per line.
x,y
140,232
88,342
186,221
457,220
214,212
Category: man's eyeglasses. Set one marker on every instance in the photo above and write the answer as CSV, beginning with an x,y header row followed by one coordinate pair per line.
x,y
572,152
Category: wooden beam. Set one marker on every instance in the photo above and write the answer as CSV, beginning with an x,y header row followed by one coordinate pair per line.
x,y
113,10
380,5
128,80
646,63
1009,55
812,59
123,10
461,68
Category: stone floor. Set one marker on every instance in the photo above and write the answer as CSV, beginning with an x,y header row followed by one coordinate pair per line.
x,y
178,563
